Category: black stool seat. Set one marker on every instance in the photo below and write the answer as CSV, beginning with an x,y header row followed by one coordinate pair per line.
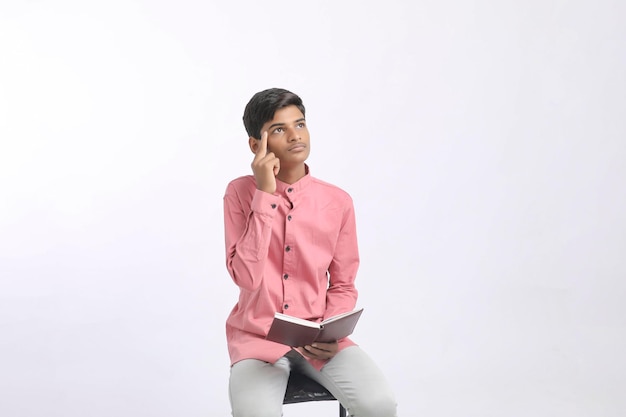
x,y
301,388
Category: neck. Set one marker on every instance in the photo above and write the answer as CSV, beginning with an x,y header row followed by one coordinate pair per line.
x,y
289,175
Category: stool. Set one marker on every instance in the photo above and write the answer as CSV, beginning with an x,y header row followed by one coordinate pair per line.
x,y
301,388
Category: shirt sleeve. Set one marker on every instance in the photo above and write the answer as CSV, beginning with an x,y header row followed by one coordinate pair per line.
x,y
341,295
248,230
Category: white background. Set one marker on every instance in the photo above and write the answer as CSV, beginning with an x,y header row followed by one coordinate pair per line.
x,y
484,144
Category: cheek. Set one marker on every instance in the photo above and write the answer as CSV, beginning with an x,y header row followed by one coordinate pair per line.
x,y
272,142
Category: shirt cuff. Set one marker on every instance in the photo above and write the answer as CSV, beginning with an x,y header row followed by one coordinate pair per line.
x,y
264,203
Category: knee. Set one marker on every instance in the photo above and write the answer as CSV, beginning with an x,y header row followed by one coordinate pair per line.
x,y
382,405
256,408
256,412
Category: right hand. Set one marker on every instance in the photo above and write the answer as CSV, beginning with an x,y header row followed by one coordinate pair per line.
x,y
319,350
265,167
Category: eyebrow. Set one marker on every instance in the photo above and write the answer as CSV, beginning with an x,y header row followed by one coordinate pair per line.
x,y
283,124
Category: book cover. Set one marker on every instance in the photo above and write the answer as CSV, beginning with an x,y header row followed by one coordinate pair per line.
x,y
297,332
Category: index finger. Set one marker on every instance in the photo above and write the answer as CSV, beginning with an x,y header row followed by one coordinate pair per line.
x,y
326,347
262,150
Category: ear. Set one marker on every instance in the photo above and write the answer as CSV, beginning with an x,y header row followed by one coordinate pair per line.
x,y
254,144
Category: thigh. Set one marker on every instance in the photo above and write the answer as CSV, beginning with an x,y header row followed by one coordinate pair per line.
x,y
357,382
257,388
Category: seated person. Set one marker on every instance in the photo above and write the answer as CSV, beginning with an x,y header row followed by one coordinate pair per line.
x,y
291,247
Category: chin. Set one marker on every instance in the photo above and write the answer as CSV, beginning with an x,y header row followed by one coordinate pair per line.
x,y
295,158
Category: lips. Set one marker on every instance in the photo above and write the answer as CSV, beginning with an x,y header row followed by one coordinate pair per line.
x,y
298,147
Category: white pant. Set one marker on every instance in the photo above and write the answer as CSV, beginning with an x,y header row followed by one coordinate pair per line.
x,y
257,388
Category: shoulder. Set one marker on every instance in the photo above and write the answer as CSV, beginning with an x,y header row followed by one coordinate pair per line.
x,y
242,183
242,187
331,190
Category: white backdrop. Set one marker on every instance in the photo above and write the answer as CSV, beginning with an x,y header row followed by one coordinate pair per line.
x,y
484,144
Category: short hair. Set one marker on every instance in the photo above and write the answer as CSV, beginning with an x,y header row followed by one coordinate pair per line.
x,y
264,104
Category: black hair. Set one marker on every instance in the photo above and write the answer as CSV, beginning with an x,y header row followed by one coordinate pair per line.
x,y
264,104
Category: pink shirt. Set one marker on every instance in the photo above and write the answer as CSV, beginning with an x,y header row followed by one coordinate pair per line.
x,y
295,252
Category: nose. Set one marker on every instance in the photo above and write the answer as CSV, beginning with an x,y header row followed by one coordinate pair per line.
x,y
293,135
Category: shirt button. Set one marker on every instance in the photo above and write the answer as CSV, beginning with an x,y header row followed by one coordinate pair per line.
x,y
286,276
288,248
289,217
273,206
289,190
286,306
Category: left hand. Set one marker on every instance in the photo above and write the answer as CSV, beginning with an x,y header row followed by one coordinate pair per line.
x,y
319,350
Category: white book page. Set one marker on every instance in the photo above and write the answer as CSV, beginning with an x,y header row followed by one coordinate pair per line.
x,y
297,320
340,316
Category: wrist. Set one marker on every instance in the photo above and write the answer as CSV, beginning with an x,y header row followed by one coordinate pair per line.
x,y
268,190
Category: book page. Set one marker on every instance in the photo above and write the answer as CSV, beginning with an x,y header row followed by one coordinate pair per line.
x,y
342,315
296,320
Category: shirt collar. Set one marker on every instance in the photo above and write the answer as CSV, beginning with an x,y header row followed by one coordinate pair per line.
x,y
284,188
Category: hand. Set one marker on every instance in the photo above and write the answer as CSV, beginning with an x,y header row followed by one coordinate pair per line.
x,y
265,167
319,350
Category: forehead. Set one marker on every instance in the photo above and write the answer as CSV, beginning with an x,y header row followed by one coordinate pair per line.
x,y
287,114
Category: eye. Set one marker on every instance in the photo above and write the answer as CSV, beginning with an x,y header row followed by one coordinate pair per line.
x,y
301,125
279,130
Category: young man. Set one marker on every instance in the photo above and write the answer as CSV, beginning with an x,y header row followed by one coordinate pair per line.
x,y
291,247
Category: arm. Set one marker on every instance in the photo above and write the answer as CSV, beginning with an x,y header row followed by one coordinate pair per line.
x,y
248,234
248,231
341,295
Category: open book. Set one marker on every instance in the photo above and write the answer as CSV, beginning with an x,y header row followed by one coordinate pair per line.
x,y
297,332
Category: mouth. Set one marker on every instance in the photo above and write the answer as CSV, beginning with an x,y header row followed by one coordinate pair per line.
x,y
297,147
